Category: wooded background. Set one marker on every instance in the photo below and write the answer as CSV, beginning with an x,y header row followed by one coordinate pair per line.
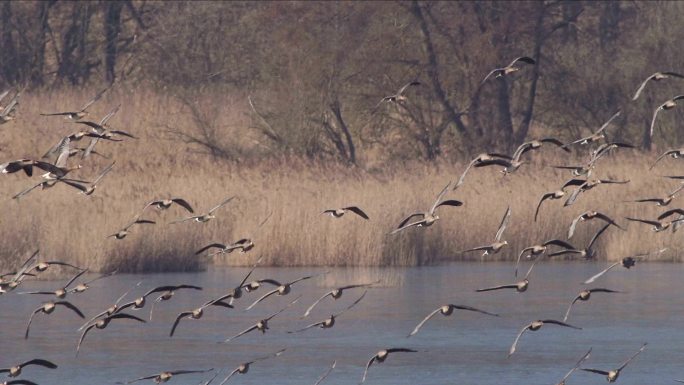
x,y
310,74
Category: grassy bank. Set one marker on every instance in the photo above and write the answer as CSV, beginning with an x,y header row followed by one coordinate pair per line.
x,y
72,227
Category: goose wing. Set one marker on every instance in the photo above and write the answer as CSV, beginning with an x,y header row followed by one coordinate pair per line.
x,y
658,159
249,329
263,297
643,85
652,223
450,202
503,224
420,325
597,371
28,325
492,162
543,198
439,198
103,173
597,276
655,115
94,99
559,323
407,85
69,305
183,203
83,335
523,59
218,206
178,319
326,374
205,248
632,357
407,219
573,197
607,123
357,211
517,338
597,235
512,286
567,312
669,213
577,365
308,311
368,365
313,325
573,225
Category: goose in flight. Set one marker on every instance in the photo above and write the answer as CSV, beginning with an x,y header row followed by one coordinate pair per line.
x,y
537,250
484,157
336,294
199,312
243,368
668,105
330,321
627,263
534,326
674,153
89,189
657,225
498,243
121,234
511,165
18,382
243,244
520,286
509,69
589,215
42,266
447,310
164,204
584,295
110,310
103,323
166,376
81,287
656,77
15,371
62,291
167,293
48,308
282,288
597,135
381,356
337,213
586,253
81,113
612,375
261,325
553,195
7,114
399,96
209,215
664,201
577,366
429,217
586,185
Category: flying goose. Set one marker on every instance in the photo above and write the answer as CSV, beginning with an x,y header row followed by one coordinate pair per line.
x,y
18,276
163,204
577,366
658,76
612,375
326,374
243,244
167,294
330,321
62,291
429,217
586,185
337,213
18,382
199,312
166,376
534,326
597,135
520,286
89,189
209,215
25,165
48,308
110,310
236,292
282,289
477,160
399,96
81,113
381,356
627,263
584,295
15,371
336,294
244,367
42,266
675,153
663,201
511,165
668,105
589,215
507,70
121,234
537,250
103,323
81,287
498,243
586,253
657,225
447,310
261,325
553,195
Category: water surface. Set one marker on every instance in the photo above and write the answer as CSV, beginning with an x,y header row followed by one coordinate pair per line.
x,y
466,348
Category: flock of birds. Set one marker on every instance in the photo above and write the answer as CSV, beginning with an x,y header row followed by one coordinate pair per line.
x,y
58,171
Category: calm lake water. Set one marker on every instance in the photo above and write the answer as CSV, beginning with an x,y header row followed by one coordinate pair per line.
x,y
466,348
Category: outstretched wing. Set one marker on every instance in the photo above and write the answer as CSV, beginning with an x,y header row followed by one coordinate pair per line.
x,y
502,226
597,276
356,211
543,198
512,286
70,306
420,325
439,198
308,311
517,338
567,312
80,340
263,297
326,374
249,329
183,203
642,86
218,206
632,357
178,319
368,365
559,323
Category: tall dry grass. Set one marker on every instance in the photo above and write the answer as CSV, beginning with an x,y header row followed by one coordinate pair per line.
x,y
71,227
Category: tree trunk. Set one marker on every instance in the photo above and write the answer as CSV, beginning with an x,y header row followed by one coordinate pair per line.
x,y
529,108
112,27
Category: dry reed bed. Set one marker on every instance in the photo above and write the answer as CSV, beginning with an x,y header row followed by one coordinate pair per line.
x,y
71,227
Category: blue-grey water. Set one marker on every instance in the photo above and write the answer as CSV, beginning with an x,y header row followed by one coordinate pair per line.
x,y
466,348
